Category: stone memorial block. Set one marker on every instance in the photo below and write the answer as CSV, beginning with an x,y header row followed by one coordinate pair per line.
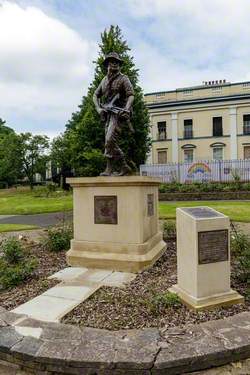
x,y
115,223
203,258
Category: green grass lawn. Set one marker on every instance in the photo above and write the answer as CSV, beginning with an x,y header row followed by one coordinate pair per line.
x,y
15,227
23,201
236,210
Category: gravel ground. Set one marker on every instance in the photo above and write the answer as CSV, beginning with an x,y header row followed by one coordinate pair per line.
x,y
48,263
134,306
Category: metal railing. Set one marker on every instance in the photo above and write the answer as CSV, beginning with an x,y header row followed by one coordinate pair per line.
x,y
200,171
188,134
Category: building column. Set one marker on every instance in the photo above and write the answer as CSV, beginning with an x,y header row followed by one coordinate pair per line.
x,y
233,132
149,158
174,124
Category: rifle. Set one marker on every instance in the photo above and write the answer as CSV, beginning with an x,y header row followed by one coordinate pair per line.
x,y
110,107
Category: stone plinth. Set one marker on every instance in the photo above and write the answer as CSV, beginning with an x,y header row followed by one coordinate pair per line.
x,y
115,223
203,258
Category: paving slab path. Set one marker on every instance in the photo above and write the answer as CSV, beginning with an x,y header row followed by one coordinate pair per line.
x,y
77,284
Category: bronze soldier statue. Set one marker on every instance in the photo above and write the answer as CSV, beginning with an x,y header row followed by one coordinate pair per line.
x,y
113,100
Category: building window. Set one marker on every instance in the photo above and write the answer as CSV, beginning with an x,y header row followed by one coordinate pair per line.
x,y
246,85
247,152
188,129
246,124
162,130
217,153
217,88
189,156
217,126
162,157
187,92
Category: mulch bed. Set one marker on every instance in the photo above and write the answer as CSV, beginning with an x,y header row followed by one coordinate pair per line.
x,y
120,308
48,263
132,306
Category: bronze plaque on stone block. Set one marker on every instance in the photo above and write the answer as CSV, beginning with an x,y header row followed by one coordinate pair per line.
x,y
150,204
105,209
213,246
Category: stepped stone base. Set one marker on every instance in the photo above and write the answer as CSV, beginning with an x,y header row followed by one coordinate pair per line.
x,y
115,223
206,303
117,257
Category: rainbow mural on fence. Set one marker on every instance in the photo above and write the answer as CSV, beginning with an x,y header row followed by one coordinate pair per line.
x,y
199,171
199,168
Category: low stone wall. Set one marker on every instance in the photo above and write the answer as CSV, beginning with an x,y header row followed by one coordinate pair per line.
x,y
206,196
53,348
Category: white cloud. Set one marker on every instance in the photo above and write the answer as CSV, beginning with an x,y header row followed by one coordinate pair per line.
x,y
45,65
188,41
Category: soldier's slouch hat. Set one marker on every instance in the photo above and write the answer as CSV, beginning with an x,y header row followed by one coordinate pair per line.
x,y
112,56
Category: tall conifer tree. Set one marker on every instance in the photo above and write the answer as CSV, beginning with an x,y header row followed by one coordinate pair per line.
x,y
85,132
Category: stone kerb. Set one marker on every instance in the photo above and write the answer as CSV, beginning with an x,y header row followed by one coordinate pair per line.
x,y
55,348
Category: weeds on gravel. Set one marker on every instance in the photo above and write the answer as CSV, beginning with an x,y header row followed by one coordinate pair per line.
x,y
169,229
163,300
15,263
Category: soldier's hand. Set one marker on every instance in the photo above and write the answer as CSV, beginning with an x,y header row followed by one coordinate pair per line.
x,y
125,115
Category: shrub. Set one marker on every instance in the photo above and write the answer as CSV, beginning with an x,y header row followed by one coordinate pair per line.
x,y
240,245
186,188
162,188
13,275
48,191
51,187
197,187
245,186
236,176
12,251
169,229
15,264
58,238
244,265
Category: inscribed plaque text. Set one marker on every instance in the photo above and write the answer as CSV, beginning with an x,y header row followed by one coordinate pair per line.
x,y
105,209
150,204
213,246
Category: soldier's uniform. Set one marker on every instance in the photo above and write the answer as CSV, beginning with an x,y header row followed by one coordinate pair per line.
x,y
106,91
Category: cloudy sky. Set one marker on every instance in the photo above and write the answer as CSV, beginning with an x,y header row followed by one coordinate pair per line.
x,y
47,48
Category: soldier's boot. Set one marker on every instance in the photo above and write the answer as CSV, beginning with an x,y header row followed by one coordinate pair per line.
x,y
125,169
108,170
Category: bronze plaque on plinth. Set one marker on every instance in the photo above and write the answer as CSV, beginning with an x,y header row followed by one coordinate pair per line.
x,y
105,207
150,204
213,246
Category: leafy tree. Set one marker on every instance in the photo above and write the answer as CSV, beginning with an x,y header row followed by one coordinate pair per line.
x,y
10,166
60,157
10,161
85,132
33,155
5,130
